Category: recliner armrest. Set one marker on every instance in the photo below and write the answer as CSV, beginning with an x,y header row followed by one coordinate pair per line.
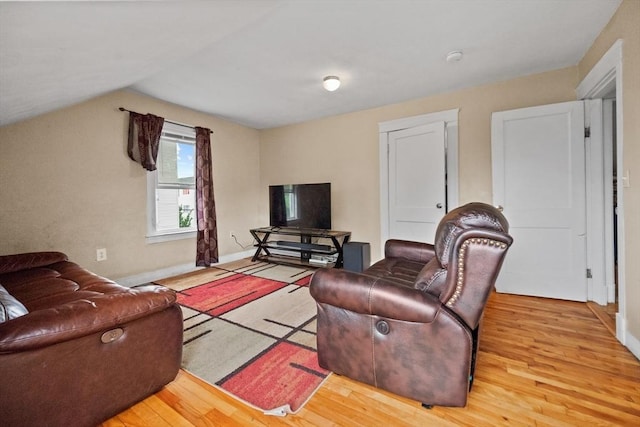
x,y
375,296
94,313
412,251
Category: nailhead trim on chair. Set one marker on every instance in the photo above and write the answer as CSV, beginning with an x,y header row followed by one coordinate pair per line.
x,y
463,251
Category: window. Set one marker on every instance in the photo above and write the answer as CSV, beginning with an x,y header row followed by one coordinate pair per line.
x,y
171,188
290,202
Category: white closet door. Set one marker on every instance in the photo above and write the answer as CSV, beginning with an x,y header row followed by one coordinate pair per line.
x,y
538,161
417,192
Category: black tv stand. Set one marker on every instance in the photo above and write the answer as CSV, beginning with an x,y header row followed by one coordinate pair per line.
x,y
328,243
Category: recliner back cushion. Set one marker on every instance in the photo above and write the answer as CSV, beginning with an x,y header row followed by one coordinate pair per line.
x,y
10,308
472,215
25,261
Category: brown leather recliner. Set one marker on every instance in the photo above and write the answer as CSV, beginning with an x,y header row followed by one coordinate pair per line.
x,y
410,323
77,348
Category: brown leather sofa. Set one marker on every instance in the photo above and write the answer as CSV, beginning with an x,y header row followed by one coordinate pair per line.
x,y
410,324
76,348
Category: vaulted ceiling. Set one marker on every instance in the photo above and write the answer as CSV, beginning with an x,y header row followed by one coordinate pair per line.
x,y
261,62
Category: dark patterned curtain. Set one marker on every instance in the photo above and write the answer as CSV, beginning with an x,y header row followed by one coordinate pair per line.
x,y
207,242
144,138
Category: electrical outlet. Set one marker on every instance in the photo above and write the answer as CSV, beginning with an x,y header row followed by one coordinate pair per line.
x,y
101,254
625,179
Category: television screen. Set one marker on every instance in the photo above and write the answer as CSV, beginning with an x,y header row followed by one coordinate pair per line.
x,y
300,205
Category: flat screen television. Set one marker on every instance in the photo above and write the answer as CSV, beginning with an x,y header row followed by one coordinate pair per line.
x,y
300,206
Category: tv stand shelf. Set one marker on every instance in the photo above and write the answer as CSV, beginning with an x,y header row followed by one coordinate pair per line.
x,y
328,243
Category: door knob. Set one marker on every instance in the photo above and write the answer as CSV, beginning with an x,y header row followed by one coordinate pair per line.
x,y
439,206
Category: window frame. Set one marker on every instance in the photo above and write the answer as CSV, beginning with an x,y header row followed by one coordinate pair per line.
x,y
153,235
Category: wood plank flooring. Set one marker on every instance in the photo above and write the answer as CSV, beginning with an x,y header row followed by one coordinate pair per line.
x,y
606,314
542,362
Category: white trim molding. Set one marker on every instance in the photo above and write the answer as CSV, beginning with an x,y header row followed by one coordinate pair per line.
x,y
175,270
602,76
631,342
601,80
448,116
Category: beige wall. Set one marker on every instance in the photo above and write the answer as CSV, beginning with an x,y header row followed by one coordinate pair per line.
x,y
68,185
344,149
625,25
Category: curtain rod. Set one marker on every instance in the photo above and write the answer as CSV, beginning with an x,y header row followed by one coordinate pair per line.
x,y
174,123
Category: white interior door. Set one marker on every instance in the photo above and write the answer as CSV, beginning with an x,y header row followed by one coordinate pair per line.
x,y
417,188
538,159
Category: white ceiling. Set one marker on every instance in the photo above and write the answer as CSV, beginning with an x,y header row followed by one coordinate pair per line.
x,y
261,62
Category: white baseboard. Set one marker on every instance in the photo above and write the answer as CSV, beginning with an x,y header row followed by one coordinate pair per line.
x,y
620,328
235,257
626,338
175,270
633,344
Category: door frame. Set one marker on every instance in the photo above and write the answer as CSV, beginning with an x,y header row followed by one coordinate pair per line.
x,y
603,77
450,119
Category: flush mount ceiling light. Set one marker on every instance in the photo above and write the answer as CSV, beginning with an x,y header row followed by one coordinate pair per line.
x,y
454,56
331,83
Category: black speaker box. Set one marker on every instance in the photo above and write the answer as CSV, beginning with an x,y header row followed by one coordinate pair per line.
x,y
357,256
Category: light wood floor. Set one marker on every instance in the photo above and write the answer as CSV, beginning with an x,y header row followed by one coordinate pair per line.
x,y
541,362
606,314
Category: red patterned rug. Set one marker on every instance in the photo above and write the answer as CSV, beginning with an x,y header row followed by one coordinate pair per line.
x,y
250,330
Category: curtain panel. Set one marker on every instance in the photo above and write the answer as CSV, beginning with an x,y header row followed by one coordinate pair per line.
x,y
144,139
207,235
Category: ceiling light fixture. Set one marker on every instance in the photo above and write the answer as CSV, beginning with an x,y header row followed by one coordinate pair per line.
x,y
454,56
331,83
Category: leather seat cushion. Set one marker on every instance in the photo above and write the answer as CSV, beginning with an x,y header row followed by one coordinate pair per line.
x,y
400,271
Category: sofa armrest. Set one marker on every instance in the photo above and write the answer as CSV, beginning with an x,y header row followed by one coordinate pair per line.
x,y
17,262
97,312
374,296
412,251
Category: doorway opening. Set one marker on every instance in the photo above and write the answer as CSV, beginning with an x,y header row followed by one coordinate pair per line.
x,y
609,111
607,310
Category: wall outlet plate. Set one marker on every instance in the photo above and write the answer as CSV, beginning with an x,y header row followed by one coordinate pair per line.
x,y
101,254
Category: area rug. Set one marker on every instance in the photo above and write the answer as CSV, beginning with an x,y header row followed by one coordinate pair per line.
x,y
250,330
